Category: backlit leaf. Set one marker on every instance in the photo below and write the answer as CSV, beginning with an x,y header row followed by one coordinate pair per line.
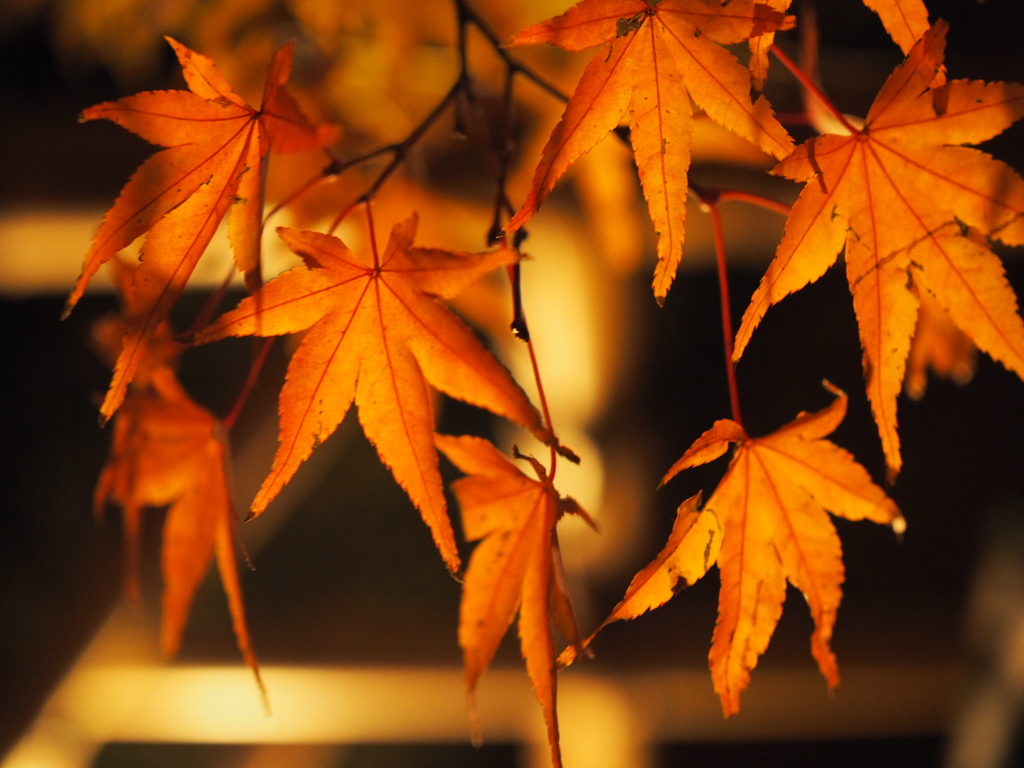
x,y
515,567
653,59
766,523
378,333
214,162
898,194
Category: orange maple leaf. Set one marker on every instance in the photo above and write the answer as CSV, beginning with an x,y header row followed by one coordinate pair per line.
x,y
897,193
167,450
377,334
217,146
516,566
765,523
653,55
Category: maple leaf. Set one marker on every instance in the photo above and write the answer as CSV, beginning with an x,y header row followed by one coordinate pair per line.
x,y
654,57
516,566
898,193
765,523
214,161
377,334
167,450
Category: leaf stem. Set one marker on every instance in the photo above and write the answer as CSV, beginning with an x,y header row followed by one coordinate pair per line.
x,y
723,289
545,413
250,381
373,237
209,306
740,196
522,332
810,86
326,175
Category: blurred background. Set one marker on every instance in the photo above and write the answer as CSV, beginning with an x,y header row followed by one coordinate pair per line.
x,y
352,613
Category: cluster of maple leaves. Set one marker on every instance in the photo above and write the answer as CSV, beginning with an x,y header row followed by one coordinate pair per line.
x,y
914,209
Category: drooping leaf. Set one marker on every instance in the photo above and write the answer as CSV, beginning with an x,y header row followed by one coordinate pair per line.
x,y
516,567
761,45
938,346
766,523
898,193
378,333
214,161
653,58
167,450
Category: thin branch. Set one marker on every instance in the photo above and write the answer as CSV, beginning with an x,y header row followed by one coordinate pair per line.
x,y
515,66
463,86
401,149
399,152
327,175
519,327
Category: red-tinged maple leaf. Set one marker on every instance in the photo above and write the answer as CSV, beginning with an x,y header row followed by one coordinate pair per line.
x,y
377,334
516,567
214,161
654,57
167,450
898,193
765,523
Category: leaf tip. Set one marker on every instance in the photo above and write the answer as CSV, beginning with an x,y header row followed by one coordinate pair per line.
x,y
178,47
264,696
476,735
832,388
892,471
899,526
457,577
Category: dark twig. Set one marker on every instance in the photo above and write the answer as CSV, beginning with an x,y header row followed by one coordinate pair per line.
x,y
514,66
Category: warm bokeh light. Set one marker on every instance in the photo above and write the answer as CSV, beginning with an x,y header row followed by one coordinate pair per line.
x,y
117,692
